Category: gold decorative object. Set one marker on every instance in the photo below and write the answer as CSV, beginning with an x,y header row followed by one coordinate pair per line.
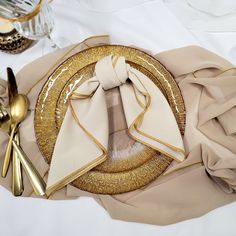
x,y
115,176
12,42
31,18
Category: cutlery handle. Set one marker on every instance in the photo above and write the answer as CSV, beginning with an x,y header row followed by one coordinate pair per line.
x,y
8,153
17,183
35,179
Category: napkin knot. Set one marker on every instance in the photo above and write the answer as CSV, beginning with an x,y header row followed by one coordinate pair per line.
x,y
112,71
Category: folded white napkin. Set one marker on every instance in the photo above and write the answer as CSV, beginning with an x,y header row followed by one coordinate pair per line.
x,y
82,142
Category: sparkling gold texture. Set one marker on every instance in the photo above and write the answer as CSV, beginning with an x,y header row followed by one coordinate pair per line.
x,y
105,183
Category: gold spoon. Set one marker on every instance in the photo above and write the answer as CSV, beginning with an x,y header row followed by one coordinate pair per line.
x,y
35,179
18,112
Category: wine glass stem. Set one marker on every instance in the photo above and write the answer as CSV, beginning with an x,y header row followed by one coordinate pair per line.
x,y
53,44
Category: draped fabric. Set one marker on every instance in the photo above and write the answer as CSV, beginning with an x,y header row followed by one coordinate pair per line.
x,y
204,181
3,93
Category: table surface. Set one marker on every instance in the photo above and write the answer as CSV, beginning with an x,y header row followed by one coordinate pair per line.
x,y
156,26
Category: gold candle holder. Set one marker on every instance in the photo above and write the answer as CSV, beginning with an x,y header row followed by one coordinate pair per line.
x,y
10,40
31,18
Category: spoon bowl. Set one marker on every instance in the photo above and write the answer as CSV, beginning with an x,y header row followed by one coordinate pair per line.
x,y
19,109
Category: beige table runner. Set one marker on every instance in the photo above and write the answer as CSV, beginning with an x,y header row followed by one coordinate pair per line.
x,y
208,86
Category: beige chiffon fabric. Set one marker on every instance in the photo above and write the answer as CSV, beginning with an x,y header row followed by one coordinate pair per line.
x,y
3,93
204,181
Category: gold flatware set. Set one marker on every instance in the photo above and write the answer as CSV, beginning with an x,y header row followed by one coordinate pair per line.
x,y
9,123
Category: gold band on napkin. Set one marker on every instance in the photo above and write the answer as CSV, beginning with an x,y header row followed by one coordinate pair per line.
x,y
82,142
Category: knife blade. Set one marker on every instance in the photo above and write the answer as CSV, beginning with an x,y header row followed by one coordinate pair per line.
x,y
12,85
17,182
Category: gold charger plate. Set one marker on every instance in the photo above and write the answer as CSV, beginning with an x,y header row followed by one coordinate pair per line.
x,y
108,178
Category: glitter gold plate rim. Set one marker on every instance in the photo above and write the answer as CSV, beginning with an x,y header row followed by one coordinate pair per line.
x,y
46,128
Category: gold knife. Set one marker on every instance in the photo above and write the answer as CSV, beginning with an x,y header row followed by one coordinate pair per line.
x,y
17,182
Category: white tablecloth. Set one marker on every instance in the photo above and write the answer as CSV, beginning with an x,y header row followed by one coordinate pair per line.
x,y
156,26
